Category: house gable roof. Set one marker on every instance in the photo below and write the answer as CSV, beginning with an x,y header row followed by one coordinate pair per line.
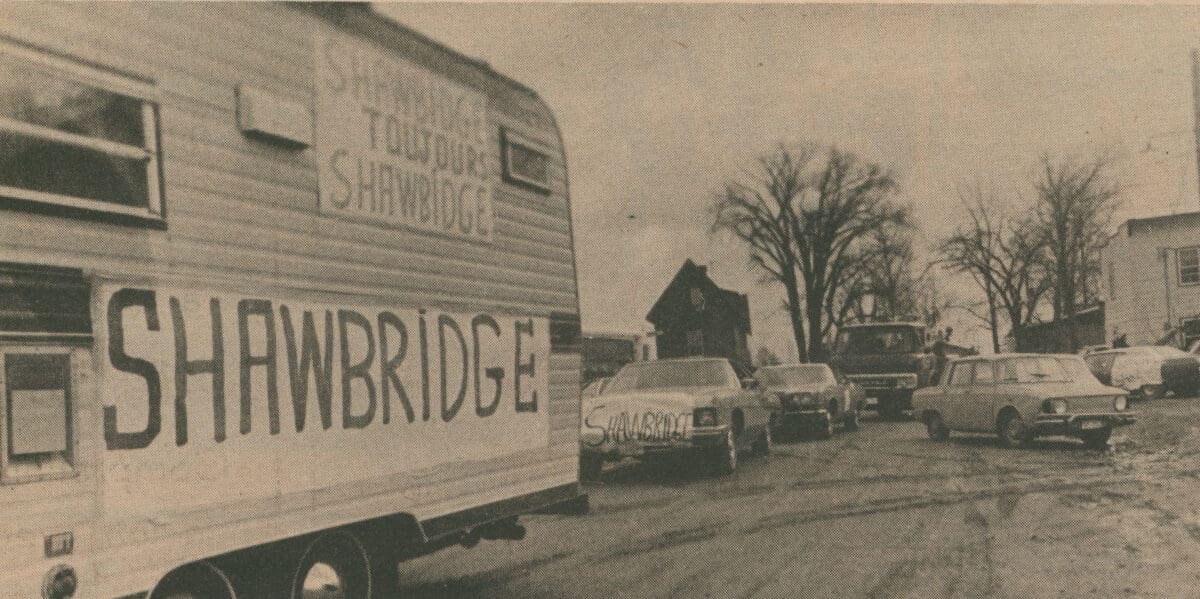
x,y
696,275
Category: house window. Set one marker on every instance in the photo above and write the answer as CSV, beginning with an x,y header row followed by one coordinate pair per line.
x,y
695,342
37,427
76,138
1189,266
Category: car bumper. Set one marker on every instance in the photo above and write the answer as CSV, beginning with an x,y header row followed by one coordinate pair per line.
x,y
804,415
1074,424
695,439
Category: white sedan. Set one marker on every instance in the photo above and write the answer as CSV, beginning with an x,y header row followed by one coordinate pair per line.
x,y
661,407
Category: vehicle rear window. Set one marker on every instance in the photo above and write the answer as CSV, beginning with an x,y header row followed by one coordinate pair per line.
x,y
667,375
808,374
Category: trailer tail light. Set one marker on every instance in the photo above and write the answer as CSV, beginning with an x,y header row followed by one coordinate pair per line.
x,y
705,416
59,544
60,583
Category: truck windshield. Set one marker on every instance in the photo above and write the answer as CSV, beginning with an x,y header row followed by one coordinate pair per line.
x,y
670,374
878,341
784,376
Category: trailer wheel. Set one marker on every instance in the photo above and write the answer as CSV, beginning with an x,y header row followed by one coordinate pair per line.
x,y
335,566
201,580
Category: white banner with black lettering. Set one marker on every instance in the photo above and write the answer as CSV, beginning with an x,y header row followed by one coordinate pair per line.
x,y
217,397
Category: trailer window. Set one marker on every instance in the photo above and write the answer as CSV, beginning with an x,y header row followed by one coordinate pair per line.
x,y
76,138
37,414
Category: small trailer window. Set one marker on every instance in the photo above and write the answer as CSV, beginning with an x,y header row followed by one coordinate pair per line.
x,y
77,138
37,414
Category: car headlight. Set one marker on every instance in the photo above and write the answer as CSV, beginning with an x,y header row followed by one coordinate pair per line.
x,y
1056,406
1120,403
704,416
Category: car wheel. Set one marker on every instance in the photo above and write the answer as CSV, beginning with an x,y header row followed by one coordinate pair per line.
x,y
1013,431
726,459
936,427
590,466
825,427
1096,439
762,445
851,421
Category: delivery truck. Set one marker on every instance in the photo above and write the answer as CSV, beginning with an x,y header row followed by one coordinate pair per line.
x,y
287,296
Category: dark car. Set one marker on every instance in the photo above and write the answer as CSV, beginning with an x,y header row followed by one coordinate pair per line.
x,y
811,397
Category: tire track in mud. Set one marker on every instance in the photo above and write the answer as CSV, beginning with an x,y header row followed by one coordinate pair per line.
x,y
913,502
697,581
791,564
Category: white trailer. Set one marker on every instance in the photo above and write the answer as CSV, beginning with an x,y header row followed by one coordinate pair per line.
x,y
280,285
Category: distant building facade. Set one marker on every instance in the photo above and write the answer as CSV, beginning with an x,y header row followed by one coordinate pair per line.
x,y
695,317
1054,337
1151,278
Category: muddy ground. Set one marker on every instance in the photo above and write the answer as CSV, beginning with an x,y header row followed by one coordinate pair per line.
x,y
882,512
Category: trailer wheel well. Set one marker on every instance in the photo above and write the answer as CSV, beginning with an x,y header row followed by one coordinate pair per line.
x,y
198,579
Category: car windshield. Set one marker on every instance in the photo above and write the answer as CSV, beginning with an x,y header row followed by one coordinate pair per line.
x,y
785,376
1167,351
892,340
1035,369
1077,369
673,374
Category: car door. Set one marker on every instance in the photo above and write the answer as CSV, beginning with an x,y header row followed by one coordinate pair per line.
x,y
979,403
954,395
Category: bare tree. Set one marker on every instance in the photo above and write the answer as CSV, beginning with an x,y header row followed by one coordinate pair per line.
x,y
1005,257
1075,205
760,211
847,201
807,225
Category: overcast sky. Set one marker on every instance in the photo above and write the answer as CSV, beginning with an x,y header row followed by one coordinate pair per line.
x,y
659,104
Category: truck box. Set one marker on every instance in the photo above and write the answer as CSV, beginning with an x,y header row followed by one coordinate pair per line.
x,y
279,285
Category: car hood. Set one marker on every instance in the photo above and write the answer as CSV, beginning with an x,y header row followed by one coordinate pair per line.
x,y
1071,389
657,400
792,389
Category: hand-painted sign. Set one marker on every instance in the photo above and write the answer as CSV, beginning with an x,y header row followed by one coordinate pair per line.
x,y
259,397
605,426
400,145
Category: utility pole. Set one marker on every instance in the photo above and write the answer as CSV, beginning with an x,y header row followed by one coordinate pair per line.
x,y
1196,105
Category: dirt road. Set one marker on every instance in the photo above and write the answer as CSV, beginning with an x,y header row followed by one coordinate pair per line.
x,y
882,512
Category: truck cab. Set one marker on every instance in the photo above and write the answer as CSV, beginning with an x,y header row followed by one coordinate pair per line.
x,y
888,360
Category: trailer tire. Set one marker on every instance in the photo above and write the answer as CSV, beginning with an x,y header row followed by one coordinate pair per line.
x,y
201,580
344,554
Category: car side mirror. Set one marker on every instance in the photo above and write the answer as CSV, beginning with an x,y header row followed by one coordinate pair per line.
x,y
749,383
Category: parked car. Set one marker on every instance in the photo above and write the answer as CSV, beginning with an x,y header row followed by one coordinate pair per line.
x,y
811,397
1147,371
664,407
595,388
1022,396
